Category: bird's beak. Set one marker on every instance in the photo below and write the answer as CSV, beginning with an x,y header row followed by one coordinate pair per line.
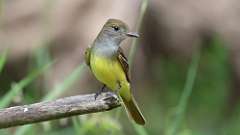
x,y
132,34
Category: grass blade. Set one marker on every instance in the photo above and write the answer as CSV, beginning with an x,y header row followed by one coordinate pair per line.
x,y
181,107
62,87
57,91
140,129
3,58
76,125
133,48
16,88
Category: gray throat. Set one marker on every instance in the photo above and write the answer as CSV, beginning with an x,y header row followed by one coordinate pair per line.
x,y
105,48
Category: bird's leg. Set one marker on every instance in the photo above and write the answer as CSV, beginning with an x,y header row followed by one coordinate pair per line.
x,y
100,91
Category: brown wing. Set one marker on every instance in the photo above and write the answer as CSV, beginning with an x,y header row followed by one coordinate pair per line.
x,y
124,63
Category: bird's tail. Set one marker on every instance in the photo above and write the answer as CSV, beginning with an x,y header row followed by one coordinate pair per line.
x,y
131,106
134,111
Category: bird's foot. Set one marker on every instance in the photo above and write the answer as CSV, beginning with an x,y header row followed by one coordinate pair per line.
x,y
99,92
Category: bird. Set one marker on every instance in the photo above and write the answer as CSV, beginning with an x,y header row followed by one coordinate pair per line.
x,y
109,65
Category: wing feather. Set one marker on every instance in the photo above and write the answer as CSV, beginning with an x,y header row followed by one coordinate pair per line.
x,y
124,62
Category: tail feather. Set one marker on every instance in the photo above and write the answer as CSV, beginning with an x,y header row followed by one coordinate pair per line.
x,y
133,110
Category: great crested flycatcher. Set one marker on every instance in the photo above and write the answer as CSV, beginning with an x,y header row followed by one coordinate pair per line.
x,y
109,65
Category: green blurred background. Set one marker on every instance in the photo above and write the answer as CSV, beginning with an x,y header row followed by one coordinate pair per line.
x,y
184,67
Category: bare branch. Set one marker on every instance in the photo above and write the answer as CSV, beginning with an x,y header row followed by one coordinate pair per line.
x,y
65,107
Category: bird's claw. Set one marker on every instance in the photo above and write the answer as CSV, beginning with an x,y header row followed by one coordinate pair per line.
x,y
99,92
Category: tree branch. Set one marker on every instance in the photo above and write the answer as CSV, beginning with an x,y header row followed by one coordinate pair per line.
x,y
64,107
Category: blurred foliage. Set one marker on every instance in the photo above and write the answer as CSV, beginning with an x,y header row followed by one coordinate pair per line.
x,y
209,97
204,112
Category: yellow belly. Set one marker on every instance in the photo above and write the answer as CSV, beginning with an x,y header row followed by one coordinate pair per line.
x,y
108,71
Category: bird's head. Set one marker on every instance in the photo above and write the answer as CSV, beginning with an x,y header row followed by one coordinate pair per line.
x,y
116,30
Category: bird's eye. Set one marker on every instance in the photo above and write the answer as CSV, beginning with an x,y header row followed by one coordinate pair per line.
x,y
116,28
